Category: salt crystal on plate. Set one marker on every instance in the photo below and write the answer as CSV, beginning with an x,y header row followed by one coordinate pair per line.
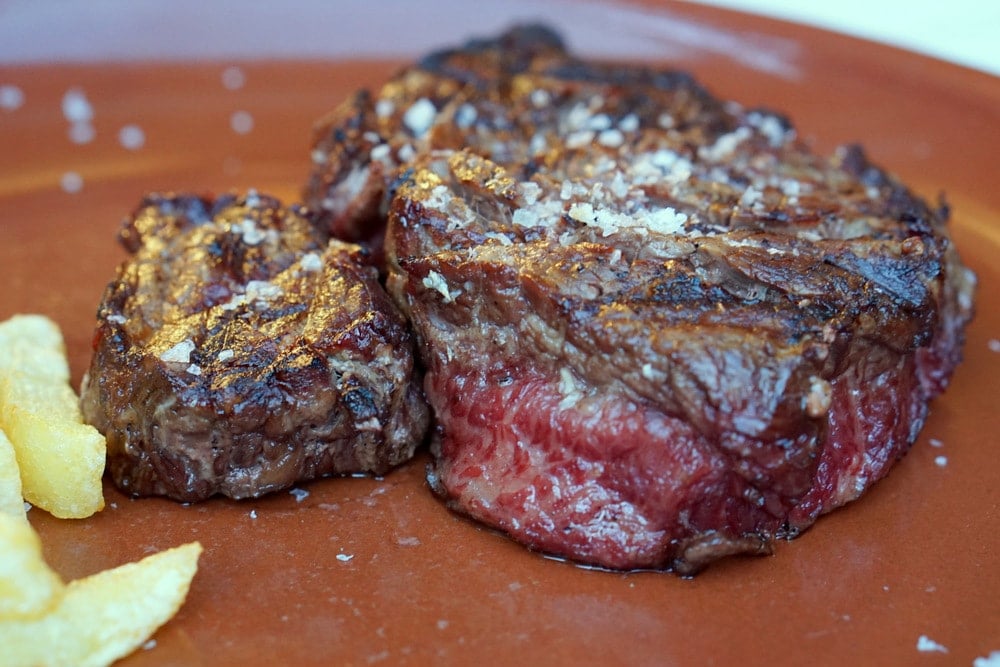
x,y
11,97
132,137
71,182
82,132
927,645
233,78
76,107
241,122
991,660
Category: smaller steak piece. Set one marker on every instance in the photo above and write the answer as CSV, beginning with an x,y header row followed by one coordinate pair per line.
x,y
239,352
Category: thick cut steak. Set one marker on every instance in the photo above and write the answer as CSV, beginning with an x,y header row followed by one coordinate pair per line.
x,y
239,352
657,329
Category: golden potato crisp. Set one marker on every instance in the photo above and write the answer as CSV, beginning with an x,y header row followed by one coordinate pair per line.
x,y
10,480
105,616
61,459
28,587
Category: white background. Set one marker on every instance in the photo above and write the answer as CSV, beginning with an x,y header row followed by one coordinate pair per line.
x,y
962,31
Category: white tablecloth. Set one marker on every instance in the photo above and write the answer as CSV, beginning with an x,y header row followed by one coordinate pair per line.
x,y
962,31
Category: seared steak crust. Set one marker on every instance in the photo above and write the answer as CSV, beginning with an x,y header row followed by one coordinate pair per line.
x,y
444,101
657,329
239,352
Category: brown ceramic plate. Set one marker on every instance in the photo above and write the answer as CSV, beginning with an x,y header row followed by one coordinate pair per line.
x,y
363,571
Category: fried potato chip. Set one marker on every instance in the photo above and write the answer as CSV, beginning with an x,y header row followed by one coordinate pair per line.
x,y
28,587
33,344
11,502
106,616
61,459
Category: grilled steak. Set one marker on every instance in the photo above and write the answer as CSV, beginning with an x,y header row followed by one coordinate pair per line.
x,y
657,330
445,101
239,352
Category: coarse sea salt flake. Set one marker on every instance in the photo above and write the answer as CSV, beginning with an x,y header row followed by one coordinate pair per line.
x,y
538,143
619,187
612,138
750,197
579,139
991,660
598,122
530,191
770,126
993,344
568,388
71,182
407,152
299,494
82,132
577,117
180,353
76,107
420,116
436,281
380,153
311,262
11,97
927,645
262,290
384,108
725,144
465,116
241,122
540,97
131,137
583,213
233,78
522,217
343,558
629,123
666,221
225,355
250,232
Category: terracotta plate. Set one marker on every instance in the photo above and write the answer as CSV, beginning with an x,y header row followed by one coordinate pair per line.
x,y
362,571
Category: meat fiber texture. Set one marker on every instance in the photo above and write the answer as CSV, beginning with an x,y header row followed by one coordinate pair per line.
x,y
239,352
657,329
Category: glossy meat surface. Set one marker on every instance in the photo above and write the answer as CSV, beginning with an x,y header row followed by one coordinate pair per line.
x,y
239,352
658,330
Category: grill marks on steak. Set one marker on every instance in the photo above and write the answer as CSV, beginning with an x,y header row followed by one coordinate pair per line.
x,y
239,352
657,329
